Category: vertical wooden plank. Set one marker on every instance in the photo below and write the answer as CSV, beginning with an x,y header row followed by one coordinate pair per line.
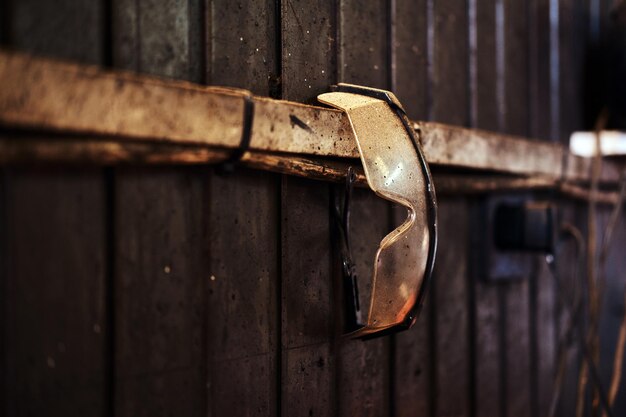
x,y
160,280
516,67
243,45
412,367
161,247
409,56
613,310
517,337
307,363
544,339
539,65
55,293
489,71
309,33
160,38
243,310
69,29
450,72
243,306
516,294
363,366
363,48
54,299
450,298
573,35
308,67
451,311
487,113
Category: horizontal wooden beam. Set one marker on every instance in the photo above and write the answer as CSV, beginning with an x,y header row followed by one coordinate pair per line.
x,y
122,110
28,149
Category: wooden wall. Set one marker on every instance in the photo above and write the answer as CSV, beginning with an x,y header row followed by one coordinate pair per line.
x,y
188,291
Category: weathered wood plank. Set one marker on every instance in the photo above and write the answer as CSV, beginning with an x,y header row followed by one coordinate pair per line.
x,y
244,309
161,278
308,369
307,363
413,366
409,56
544,302
243,45
54,293
363,366
363,48
486,113
130,107
161,268
55,246
67,29
516,295
450,298
539,66
450,105
243,306
613,309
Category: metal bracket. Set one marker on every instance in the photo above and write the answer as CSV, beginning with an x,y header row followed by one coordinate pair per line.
x,y
396,170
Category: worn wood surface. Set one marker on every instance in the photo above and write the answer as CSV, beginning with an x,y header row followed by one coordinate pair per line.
x,y
486,96
244,333
308,365
161,273
516,320
412,365
449,300
187,288
55,323
129,107
363,366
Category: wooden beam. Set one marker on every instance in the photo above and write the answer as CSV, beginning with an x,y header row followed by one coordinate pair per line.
x,y
124,109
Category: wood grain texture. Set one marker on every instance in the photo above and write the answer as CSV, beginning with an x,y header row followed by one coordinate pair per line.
x,y
307,361
573,34
308,370
69,29
539,68
486,113
544,339
309,32
243,45
82,100
450,75
363,43
613,309
161,268
450,97
409,56
450,300
517,294
413,363
161,276
54,311
244,306
363,366
54,232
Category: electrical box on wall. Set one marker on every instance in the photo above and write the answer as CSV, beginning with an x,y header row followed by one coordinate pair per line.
x,y
514,229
